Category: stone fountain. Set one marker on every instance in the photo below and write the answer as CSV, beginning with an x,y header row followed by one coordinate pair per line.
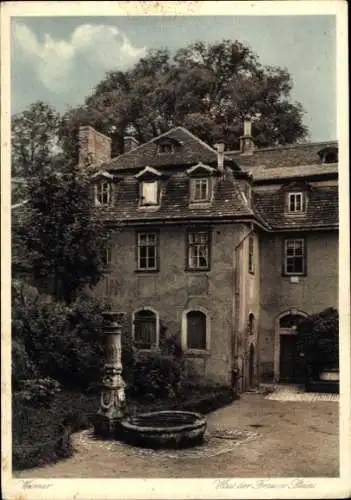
x,y
161,429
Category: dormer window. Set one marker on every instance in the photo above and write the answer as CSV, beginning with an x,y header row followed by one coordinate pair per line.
x,y
149,187
165,148
103,193
200,183
296,203
329,154
103,188
200,189
149,193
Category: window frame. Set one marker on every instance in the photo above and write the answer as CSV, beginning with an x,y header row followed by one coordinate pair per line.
x,y
189,245
157,251
303,257
292,199
144,204
99,191
154,346
251,324
204,181
184,333
165,143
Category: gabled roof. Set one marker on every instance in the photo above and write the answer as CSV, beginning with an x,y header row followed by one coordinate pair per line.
x,y
191,150
322,209
282,156
284,173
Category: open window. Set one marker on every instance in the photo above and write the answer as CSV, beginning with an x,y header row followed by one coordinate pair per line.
x,y
149,187
103,188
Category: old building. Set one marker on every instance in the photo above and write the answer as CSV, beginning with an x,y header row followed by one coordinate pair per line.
x,y
226,249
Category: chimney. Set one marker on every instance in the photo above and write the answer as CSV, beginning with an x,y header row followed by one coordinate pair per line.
x,y
94,147
247,145
220,146
130,143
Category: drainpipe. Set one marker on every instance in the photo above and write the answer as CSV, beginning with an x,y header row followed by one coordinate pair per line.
x,y
236,308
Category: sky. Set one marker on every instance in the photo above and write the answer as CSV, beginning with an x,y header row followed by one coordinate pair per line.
x,y
59,60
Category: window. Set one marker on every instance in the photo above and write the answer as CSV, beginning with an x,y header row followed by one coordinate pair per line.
x,y
200,190
107,255
103,193
329,154
149,193
145,329
294,256
147,251
296,203
251,255
165,148
196,330
331,157
198,250
251,324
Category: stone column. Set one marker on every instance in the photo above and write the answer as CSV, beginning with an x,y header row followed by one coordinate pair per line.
x,y
112,401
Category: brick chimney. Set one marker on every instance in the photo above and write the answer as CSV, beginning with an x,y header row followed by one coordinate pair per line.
x,y
220,146
94,147
130,143
247,145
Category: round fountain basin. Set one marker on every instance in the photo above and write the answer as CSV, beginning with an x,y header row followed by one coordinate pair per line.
x,y
164,429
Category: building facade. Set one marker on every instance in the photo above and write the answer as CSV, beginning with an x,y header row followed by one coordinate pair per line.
x,y
227,250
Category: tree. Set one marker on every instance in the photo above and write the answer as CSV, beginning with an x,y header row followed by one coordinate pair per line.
x,y
208,88
318,336
62,240
34,139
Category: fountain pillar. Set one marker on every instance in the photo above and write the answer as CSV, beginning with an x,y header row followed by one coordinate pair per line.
x,y
112,402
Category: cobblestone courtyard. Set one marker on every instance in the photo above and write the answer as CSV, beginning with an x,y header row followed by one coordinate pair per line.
x,y
253,437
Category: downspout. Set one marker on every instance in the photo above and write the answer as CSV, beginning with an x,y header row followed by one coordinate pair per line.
x,y
236,308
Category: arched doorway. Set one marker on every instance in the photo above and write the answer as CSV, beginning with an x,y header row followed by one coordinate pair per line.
x,y
251,366
291,360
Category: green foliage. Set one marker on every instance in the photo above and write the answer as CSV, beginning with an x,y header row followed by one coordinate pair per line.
x,y
41,433
22,367
62,342
157,375
34,139
209,88
318,336
62,241
39,390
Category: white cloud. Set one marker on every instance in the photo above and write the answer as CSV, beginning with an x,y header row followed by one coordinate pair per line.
x,y
98,46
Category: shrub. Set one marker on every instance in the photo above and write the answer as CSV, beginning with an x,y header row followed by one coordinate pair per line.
x,y
39,391
62,341
156,374
41,433
21,364
318,336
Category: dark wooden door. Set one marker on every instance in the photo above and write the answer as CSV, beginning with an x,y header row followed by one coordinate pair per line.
x,y
287,358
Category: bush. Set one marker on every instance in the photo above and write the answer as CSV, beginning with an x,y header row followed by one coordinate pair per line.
x,y
39,391
62,342
41,433
21,364
156,375
318,336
